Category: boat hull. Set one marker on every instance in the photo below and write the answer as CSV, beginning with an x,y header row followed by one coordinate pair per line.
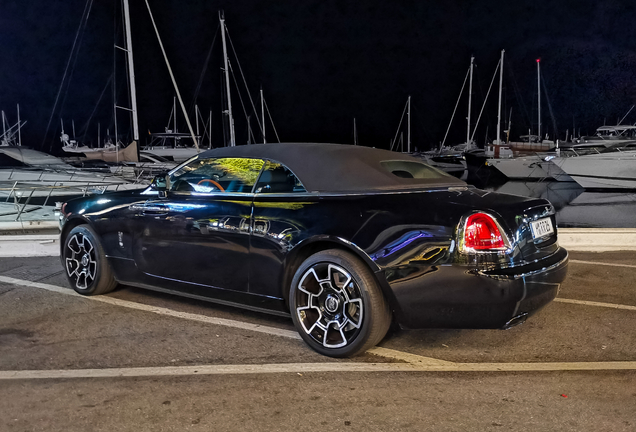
x,y
602,171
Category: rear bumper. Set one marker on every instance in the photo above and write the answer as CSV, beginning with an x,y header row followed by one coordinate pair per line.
x,y
456,296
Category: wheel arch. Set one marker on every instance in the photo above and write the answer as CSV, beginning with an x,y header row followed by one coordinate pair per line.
x,y
308,247
68,226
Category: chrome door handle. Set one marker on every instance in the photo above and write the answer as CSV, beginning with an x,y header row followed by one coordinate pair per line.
x,y
145,208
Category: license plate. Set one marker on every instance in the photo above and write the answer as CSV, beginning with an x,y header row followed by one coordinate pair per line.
x,y
541,228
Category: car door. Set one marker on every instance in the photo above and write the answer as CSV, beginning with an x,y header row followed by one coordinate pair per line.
x,y
199,234
280,217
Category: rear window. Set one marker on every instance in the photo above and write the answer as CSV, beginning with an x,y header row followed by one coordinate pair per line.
x,y
412,169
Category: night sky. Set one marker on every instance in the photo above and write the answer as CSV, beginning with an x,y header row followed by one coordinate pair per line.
x,y
321,63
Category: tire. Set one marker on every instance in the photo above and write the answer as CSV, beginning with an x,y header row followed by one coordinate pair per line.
x,y
86,266
336,304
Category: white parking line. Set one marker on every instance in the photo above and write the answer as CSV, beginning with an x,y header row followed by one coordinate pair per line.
x,y
602,263
301,368
591,303
412,362
157,310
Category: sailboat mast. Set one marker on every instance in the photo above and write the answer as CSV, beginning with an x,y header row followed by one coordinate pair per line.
x,y
20,127
408,135
196,117
263,115
131,73
355,132
539,97
501,63
470,96
174,82
227,80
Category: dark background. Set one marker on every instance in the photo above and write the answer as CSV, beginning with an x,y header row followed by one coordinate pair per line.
x,y
321,63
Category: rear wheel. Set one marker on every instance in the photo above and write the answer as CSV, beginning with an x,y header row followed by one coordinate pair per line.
x,y
86,266
336,304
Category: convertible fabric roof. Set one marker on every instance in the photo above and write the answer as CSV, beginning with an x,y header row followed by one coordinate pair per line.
x,y
338,167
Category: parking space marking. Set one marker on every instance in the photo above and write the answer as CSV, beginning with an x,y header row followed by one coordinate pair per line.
x,y
158,310
592,303
407,357
602,263
302,368
291,334
411,362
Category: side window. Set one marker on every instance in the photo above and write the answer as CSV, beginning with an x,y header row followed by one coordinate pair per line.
x,y
277,178
216,175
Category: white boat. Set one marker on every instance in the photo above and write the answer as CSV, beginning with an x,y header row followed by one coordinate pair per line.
x,y
26,172
618,134
611,168
560,194
520,168
168,145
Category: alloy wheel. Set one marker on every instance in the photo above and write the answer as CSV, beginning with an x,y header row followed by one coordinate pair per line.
x,y
81,261
329,305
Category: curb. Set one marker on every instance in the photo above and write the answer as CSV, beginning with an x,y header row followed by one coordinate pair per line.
x,y
37,245
597,239
573,239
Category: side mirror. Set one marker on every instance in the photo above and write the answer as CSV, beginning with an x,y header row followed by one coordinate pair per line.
x,y
160,184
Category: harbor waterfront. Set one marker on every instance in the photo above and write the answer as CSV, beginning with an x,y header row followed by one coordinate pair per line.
x,y
577,207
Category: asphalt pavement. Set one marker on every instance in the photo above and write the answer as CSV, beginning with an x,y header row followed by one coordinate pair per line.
x,y
140,360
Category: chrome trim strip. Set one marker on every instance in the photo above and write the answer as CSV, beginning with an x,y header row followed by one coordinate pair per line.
x,y
532,273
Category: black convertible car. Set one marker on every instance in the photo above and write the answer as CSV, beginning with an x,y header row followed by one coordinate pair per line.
x,y
344,239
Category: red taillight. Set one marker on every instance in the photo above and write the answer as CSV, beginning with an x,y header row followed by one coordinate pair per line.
x,y
482,233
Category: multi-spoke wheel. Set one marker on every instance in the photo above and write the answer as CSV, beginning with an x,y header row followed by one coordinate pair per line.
x,y
336,304
86,267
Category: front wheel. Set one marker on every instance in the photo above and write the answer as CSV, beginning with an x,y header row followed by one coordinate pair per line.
x,y
86,266
337,305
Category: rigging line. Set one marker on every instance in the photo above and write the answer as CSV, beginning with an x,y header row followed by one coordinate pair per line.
x,y
545,90
249,95
418,121
271,120
204,70
85,127
174,82
79,46
399,126
486,99
251,132
481,90
630,110
522,105
170,118
456,104
205,127
85,14
238,92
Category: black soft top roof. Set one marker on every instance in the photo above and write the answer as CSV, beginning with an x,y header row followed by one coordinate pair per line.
x,y
338,167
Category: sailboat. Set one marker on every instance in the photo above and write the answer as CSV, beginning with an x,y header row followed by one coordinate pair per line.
x,y
535,166
11,135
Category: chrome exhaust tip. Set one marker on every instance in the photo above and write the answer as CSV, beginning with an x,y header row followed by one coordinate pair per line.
x,y
515,321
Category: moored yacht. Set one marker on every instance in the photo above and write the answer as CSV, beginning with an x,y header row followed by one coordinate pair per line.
x,y
613,167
